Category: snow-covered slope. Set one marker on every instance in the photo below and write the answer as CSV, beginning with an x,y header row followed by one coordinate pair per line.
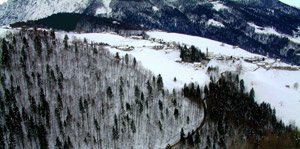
x,y
270,30
105,9
277,87
30,9
219,6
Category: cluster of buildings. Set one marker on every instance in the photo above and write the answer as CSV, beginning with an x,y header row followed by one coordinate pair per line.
x,y
259,61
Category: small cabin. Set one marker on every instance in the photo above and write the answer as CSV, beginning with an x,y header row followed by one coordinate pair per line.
x,y
197,65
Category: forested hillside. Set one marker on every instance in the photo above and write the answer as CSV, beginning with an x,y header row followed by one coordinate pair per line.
x,y
234,119
67,93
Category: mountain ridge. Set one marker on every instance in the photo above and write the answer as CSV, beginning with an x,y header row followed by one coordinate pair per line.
x,y
225,21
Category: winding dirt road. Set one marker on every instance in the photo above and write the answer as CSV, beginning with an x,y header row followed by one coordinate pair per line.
x,y
197,129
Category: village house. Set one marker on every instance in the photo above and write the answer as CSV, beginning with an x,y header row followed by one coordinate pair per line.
x,y
137,37
125,48
158,47
197,64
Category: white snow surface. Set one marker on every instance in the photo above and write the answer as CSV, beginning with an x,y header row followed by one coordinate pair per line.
x,y
215,23
37,9
269,30
2,32
155,8
105,9
218,6
269,85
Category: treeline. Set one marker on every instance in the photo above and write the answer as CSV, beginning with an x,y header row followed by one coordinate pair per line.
x,y
77,22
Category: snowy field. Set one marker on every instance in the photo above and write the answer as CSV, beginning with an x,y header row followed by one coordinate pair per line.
x,y
270,86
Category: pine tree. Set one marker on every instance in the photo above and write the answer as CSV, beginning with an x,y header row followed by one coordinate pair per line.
x,y
117,56
206,92
5,55
190,140
133,128
126,59
69,142
160,105
42,136
182,139
109,92
197,138
160,83
59,102
134,62
38,45
58,144
136,92
242,86
81,108
25,43
149,87
141,108
176,113
142,96
121,92
66,38
115,133
252,93
208,142
116,121
52,34
2,143
160,126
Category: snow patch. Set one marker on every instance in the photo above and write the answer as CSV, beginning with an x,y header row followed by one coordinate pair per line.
x,y
264,30
215,23
269,30
219,6
155,8
3,32
105,9
101,10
